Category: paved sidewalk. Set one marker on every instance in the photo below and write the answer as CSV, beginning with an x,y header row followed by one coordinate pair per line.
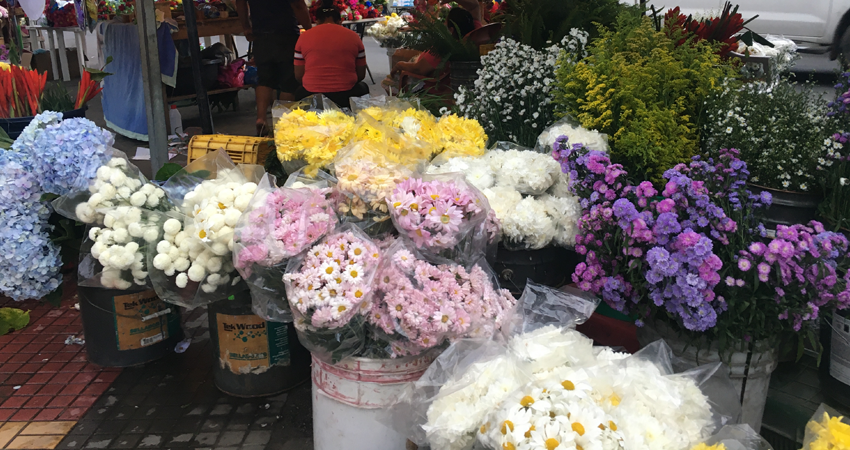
x,y
64,402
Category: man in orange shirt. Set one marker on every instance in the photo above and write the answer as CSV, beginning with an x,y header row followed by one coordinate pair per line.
x,y
330,59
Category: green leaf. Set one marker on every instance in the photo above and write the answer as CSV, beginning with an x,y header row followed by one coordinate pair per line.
x,y
167,171
5,141
48,197
801,346
13,319
54,298
202,174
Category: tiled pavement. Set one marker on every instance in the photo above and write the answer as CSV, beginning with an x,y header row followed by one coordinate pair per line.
x,y
62,401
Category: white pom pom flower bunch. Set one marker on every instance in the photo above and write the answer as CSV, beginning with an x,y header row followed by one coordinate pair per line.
x,y
119,184
528,193
198,249
119,246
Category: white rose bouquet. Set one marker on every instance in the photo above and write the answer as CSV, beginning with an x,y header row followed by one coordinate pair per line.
x,y
192,264
527,191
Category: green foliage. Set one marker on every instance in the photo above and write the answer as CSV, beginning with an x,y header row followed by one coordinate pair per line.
x,y
56,98
540,23
13,319
167,171
644,91
273,166
5,141
429,33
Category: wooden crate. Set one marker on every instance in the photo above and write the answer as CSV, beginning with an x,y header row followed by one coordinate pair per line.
x,y
241,149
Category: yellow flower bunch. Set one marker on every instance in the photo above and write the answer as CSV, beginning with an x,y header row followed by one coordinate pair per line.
x,y
5,66
314,137
460,136
385,141
703,446
828,434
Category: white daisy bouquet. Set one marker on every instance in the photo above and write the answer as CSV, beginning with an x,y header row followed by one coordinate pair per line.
x,y
386,31
122,209
192,264
278,224
329,289
526,190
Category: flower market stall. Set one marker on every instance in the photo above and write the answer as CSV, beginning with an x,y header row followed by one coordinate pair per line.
x,y
429,273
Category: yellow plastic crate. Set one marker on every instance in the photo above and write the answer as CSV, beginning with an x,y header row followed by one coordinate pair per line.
x,y
241,149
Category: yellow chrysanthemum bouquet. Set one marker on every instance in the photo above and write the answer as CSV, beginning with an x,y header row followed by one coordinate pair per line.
x,y
304,132
827,431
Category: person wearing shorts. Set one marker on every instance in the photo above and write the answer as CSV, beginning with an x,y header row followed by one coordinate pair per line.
x,y
272,25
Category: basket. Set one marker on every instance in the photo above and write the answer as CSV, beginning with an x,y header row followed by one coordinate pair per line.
x,y
241,149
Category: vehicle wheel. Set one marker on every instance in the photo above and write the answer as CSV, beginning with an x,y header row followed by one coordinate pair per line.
x,y
842,49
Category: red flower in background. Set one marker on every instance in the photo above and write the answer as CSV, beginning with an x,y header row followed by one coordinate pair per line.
x,y
721,29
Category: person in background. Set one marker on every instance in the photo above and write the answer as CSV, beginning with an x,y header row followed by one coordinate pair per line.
x,y
272,25
330,59
428,64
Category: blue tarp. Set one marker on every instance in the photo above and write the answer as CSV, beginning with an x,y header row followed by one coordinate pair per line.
x,y
123,92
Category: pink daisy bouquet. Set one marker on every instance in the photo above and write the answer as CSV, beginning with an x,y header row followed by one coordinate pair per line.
x,y
439,212
420,304
279,224
328,289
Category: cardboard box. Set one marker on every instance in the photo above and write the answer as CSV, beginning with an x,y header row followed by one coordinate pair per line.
x,y
41,63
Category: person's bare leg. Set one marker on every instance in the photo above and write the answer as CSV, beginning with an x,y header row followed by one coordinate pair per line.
x,y
286,97
264,96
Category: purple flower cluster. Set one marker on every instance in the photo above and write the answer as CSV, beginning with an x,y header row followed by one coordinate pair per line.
x,y
587,169
799,270
840,105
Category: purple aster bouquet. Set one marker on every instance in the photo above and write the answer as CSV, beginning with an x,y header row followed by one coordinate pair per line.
x,y
692,255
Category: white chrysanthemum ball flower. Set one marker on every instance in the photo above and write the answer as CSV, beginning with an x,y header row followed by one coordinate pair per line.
x,y
172,226
182,280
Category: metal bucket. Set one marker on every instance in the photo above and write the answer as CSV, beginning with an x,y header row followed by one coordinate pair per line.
x,y
464,73
549,266
256,358
788,207
127,328
835,360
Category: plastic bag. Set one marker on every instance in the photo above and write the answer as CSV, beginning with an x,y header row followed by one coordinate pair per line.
x,y
735,437
367,101
278,224
826,429
418,304
364,180
329,289
393,145
312,131
575,133
440,214
192,265
447,405
318,180
542,305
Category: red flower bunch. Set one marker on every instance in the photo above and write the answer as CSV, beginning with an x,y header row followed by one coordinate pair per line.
x,y
716,29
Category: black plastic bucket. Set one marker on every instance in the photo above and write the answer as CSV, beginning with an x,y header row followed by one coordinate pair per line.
x,y
256,358
835,360
788,207
127,328
15,126
549,266
464,73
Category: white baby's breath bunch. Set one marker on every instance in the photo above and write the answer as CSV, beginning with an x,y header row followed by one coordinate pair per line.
x,y
199,248
512,97
527,191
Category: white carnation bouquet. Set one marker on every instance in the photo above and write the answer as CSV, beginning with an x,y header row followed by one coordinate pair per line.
x,y
512,97
192,264
121,209
527,191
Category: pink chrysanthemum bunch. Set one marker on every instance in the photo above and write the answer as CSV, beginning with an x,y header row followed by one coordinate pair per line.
x,y
436,214
282,226
332,283
418,305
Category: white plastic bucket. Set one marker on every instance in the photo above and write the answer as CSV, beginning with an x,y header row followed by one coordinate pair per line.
x,y
348,399
757,375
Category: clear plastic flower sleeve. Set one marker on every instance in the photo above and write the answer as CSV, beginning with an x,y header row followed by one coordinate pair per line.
x,y
736,437
329,289
278,224
825,429
310,132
